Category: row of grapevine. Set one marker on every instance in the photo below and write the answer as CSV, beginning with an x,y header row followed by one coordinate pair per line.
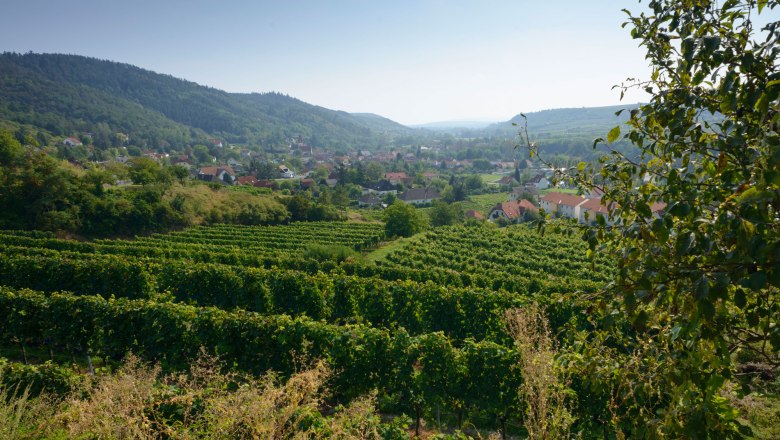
x,y
511,258
197,253
17,378
460,313
357,235
418,372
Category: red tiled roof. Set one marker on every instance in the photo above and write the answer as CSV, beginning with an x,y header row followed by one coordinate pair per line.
x,y
525,204
213,171
515,208
658,207
247,180
563,199
597,206
395,176
475,214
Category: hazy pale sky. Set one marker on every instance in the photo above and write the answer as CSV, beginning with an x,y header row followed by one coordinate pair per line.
x,y
411,61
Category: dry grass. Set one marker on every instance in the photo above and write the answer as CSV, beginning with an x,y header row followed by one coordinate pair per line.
x,y
544,389
115,406
19,413
137,402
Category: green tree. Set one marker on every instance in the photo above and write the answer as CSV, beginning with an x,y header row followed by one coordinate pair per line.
x,y
697,282
179,173
403,220
374,171
481,165
264,169
201,153
144,171
443,213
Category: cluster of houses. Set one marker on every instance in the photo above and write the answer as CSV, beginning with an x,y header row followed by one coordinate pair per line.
x,y
372,194
586,209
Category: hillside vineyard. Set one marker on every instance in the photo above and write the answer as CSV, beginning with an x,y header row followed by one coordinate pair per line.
x,y
248,295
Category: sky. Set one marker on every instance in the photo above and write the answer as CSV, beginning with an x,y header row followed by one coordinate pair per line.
x,y
410,61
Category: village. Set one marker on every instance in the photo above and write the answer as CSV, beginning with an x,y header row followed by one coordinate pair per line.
x,y
372,180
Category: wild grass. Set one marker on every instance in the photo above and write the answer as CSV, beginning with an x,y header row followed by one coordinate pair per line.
x,y
137,402
543,390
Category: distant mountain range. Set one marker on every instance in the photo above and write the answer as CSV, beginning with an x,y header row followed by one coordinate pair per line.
x,y
70,94
566,121
461,124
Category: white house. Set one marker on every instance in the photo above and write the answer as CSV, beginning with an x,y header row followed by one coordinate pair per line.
x,y
539,182
420,196
565,205
285,172
72,142
592,209
223,174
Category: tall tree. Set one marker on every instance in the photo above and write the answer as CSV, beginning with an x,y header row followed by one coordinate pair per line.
x,y
698,281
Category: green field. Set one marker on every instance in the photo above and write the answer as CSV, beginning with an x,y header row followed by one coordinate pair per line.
x,y
484,202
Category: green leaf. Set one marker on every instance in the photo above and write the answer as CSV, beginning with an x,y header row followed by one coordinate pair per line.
x,y
761,5
676,332
581,166
685,243
643,210
758,280
660,230
762,105
613,134
740,300
640,321
702,287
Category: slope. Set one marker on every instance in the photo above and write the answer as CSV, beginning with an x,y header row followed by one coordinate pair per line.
x,y
51,86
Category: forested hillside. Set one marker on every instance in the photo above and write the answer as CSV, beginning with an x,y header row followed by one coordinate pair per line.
x,y
68,94
567,131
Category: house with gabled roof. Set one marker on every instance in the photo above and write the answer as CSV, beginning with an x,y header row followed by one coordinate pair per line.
x,y
474,214
396,178
420,196
507,181
222,174
565,205
72,142
511,210
369,200
519,191
592,209
539,182
382,187
246,180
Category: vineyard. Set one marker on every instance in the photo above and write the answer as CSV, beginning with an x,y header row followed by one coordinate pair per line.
x,y
423,326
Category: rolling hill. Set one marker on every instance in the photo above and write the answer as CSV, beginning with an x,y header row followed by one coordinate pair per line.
x,y
68,94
